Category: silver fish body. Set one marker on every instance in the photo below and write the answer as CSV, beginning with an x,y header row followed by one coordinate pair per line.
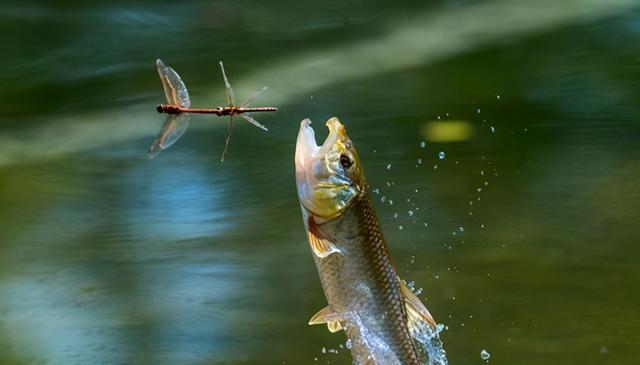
x,y
365,297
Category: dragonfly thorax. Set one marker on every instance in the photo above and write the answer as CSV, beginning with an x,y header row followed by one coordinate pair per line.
x,y
169,109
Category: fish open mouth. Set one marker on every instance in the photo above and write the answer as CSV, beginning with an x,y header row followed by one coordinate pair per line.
x,y
311,169
306,146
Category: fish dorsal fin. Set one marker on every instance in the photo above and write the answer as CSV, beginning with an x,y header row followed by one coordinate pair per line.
x,y
328,316
321,246
417,314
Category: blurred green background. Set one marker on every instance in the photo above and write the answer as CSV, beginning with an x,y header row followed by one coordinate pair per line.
x,y
523,237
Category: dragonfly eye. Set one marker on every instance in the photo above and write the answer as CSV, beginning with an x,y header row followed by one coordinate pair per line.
x,y
345,161
160,108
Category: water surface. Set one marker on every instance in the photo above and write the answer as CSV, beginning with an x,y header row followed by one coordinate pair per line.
x,y
522,237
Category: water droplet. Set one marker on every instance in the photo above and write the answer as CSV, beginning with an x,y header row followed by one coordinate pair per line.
x,y
389,167
395,215
461,229
498,96
419,161
348,344
478,110
423,144
410,213
324,350
441,155
493,130
383,199
400,228
485,355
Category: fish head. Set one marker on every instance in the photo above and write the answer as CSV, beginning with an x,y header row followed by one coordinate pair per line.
x,y
329,177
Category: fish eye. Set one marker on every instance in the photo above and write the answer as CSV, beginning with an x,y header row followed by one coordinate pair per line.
x,y
345,161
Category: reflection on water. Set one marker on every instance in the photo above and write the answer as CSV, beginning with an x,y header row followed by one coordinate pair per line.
x,y
447,131
522,237
421,42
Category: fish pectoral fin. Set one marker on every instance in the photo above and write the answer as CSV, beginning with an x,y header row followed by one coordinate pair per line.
x,y
328,316
417,314
321,246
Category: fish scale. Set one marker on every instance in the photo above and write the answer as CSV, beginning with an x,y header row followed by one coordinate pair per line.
x,y
365,261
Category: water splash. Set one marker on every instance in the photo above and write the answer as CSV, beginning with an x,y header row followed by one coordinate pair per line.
x,y
430,344
485,355
367,347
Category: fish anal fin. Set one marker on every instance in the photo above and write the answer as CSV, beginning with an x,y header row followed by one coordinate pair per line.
x,y
417,314
328,316
321,246
334,326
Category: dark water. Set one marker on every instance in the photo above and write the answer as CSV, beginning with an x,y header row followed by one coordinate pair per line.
x,y
523,237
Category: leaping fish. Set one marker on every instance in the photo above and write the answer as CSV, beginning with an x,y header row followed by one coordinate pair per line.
x,y
366,298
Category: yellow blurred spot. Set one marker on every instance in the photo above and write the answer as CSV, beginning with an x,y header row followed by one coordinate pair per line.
x,y
447,131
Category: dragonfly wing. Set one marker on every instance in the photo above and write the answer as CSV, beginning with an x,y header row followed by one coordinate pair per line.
x,y
249,119
174,89
226,142
172,130
231,100
250,98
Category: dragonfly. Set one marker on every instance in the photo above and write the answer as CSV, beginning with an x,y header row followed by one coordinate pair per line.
x,y
178,109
